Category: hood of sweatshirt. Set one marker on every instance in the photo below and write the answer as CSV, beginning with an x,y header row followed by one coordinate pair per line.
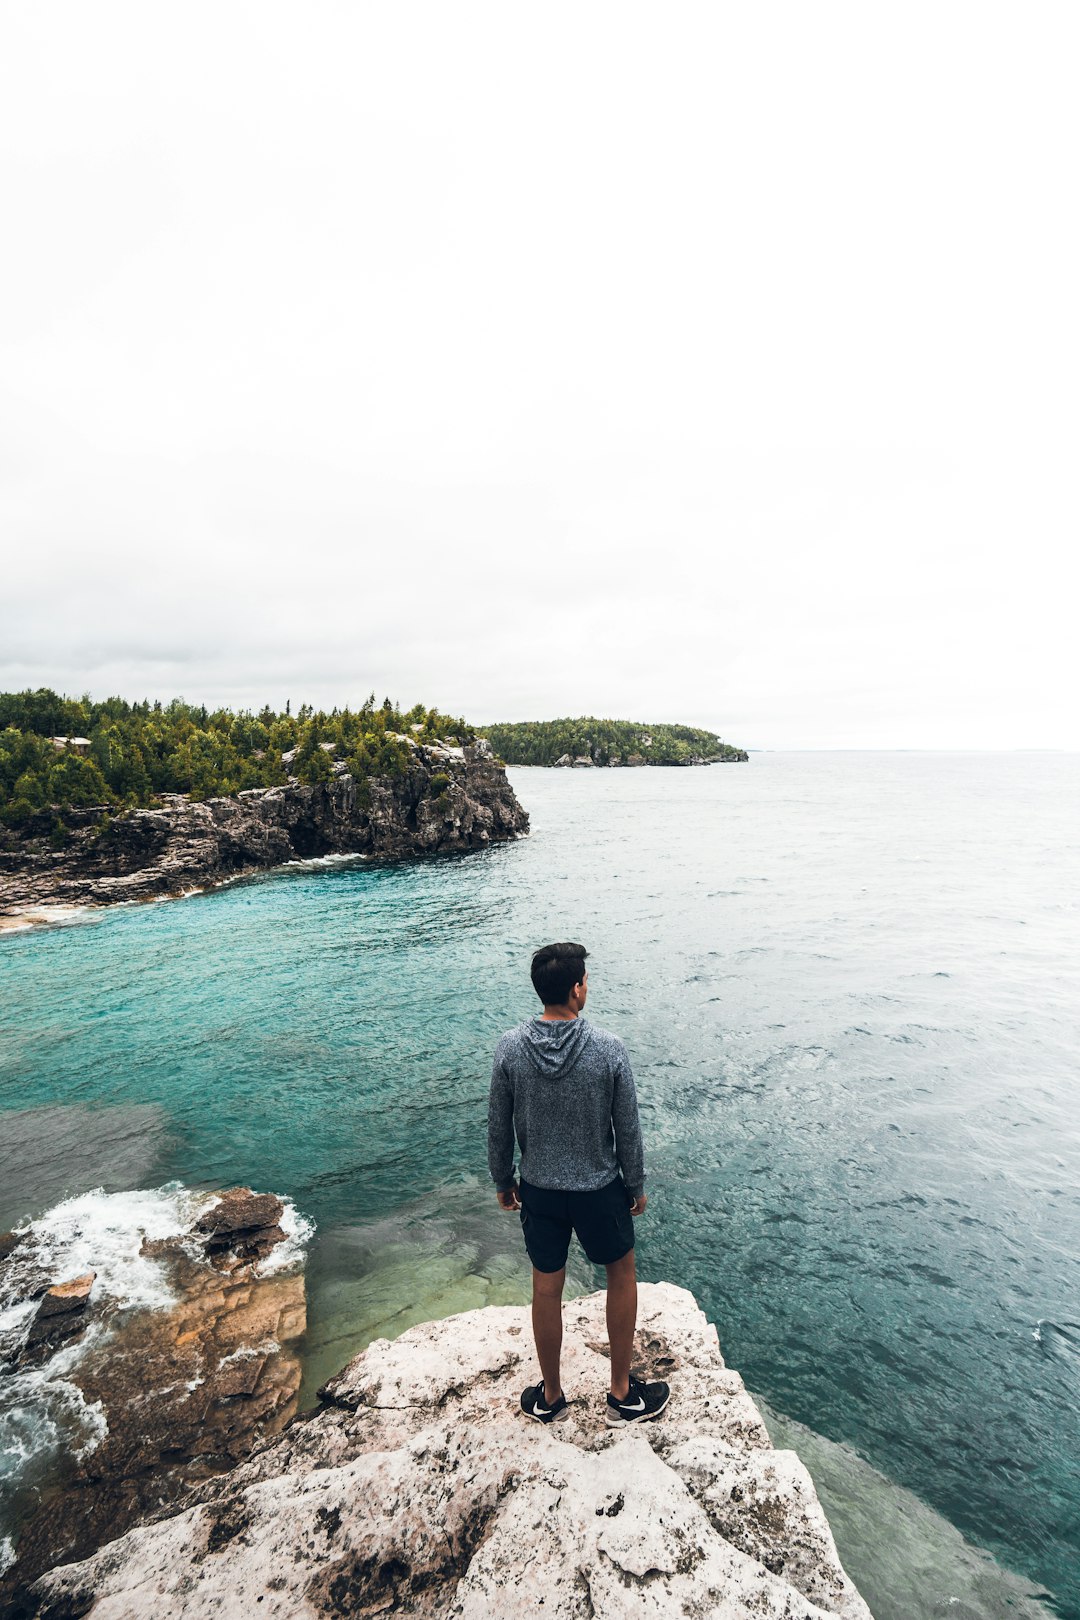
x,y
554,1045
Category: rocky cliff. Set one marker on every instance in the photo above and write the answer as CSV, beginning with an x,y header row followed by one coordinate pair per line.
x,y
446,799
420,1489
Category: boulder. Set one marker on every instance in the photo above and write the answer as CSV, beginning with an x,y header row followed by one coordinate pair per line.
x,y
241,1210
242,1224
564,761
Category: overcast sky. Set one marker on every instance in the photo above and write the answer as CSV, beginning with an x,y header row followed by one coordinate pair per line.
x,y
713,363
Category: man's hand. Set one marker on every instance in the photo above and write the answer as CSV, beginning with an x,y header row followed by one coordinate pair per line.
x,y
638,1206
509,1199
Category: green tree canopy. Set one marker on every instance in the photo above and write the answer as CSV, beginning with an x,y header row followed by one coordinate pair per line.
x,y
58,752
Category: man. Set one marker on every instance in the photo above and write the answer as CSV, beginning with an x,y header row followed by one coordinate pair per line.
x,y
568,1091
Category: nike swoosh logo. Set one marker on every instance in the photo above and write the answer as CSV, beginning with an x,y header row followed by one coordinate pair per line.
x,y
632,1406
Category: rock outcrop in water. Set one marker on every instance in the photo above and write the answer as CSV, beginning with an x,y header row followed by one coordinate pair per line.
x,y
447,799
183,1390
420,1489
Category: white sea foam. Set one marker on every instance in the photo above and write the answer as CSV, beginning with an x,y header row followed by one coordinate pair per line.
x,y
7,1553
15,1319
45,1415
104,1233
248,1352
314,862
298,1230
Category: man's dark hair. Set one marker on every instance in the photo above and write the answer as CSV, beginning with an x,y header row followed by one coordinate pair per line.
x,y
555,971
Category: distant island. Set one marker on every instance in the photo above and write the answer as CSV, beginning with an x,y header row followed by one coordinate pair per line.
x,y
111,800
591,742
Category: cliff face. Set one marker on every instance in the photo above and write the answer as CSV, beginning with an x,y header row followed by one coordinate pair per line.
x,y
421,1488
447,799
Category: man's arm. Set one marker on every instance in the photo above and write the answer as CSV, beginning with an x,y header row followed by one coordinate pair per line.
x,y
629,1148
501,1128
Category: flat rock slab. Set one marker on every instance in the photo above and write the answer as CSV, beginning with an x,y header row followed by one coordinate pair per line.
x,y
60,1314
421,1489
64,1297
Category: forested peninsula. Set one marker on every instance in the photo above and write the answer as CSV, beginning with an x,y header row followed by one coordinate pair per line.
x,y
588,741
111,800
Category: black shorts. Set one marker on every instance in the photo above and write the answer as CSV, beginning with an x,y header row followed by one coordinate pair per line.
x,y
601,1219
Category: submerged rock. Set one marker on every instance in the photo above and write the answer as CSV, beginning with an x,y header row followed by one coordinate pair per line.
x,y
420,1488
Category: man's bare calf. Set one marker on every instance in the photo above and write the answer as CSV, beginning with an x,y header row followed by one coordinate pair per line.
x,y
547,1328
621,1321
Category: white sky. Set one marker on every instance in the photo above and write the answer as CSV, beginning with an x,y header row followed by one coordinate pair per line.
x,y
714,363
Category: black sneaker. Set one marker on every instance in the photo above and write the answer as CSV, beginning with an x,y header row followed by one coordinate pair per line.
x,y
643,1401
534,1405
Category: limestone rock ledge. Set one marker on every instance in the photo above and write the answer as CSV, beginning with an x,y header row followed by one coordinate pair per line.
x,y
419,1488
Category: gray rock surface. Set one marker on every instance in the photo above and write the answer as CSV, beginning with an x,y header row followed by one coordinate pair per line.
x,y
181,845
421,1489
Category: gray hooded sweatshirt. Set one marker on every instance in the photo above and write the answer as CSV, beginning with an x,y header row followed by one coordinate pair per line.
x,y
567,1089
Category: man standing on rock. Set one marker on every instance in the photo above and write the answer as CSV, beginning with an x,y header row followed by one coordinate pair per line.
x,y
567,1090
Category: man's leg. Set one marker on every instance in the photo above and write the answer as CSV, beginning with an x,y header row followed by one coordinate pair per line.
x,y
547,1328
621,1321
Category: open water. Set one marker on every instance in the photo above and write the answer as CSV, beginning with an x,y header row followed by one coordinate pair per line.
x,y
848,986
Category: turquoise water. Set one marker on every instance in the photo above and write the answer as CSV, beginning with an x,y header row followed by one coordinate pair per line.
x,y
848,987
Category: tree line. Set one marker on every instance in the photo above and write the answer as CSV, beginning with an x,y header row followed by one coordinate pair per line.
x,y
623,742
131,753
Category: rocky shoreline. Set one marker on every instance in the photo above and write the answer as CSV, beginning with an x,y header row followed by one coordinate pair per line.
x,y
418,1487
175,1388
447,799
637,761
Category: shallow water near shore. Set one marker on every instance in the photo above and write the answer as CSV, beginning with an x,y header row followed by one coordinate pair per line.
x,y
847,986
